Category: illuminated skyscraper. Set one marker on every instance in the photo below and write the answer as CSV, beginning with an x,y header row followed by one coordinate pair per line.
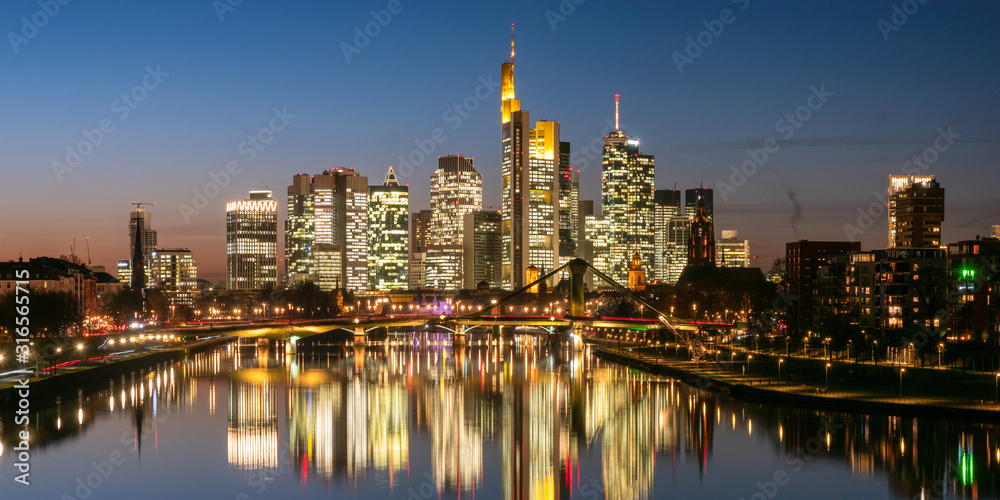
x,y
569,196
252,242
529,187
676,249
456,189
627,201
340,204
299,229
388,234
667,204
916,211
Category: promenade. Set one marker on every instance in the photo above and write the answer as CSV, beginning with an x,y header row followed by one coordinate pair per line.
x,y
819,382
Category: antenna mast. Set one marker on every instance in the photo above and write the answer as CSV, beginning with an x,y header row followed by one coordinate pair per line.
x,y
616,111
511,42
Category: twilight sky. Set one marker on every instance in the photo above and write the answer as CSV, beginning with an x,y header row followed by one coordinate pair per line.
x,y
200,78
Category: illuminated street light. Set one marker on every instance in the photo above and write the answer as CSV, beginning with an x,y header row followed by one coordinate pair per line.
x,y
901,372
828,376
780,360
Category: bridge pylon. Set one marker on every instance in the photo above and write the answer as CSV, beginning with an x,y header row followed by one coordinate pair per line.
x,y
458,339
359,335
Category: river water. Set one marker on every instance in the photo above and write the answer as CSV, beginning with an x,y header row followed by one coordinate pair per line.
x,y
429,421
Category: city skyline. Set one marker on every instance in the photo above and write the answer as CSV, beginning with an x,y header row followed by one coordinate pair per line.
x,y
699,118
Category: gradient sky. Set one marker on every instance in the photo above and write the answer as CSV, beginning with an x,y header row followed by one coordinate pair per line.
x,y
225,77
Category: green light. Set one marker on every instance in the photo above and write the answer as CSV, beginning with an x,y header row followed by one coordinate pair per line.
x,y
968,274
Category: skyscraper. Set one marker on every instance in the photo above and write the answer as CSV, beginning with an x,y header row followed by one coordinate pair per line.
x,y
569,194
340,204
300,234
140,221
456,189
529,187
420,224
667,204
916,211
678,238
482,248
627,201
388,234
252,242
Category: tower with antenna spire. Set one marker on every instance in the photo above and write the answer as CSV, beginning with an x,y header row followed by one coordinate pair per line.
x,y
627,189
529,190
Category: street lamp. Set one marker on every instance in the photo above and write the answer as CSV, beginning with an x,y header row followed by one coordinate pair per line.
x,y
996,389
940,349
901,372
780,360
748,364
828,376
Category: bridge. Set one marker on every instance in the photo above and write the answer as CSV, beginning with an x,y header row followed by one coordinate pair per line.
x,y
459,325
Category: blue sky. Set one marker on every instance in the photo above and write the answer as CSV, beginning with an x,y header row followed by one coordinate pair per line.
x,y
222,80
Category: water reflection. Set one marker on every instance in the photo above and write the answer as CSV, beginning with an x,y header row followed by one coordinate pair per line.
x,y
511,421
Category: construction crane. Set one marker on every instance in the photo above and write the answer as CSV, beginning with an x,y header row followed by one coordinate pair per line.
x,y
88,251
139,204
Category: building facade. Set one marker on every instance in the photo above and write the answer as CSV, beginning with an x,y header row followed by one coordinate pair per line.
x,y
175,272
916,211
666,204
731,251
140,221
456,190
252,242
420,223
529,188
388,235
627,187
300,230
481,248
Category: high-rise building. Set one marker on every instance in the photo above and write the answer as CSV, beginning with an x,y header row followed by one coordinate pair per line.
x,y
730,251
388,234
300,230
701,249
252,242
995,231
340,204
599,244
140,221
482,252
420,224
175,272
667,204
327,266
916,211
627,201
700,195
569,195
676,248
456,189
529,187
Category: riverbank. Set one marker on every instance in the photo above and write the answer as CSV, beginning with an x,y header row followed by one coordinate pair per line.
x,y
949,399
74,378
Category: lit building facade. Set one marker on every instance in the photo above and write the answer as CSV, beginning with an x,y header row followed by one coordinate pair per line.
x,y
340,205
627,201
388,235
252,242
730,251
141,221
701,249
529,188
667,204
300,224
327,266
456,190
569,196
916,211
676,247
420,223
481,248
175,273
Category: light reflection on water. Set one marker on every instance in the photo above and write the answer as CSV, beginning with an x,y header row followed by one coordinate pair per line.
x,y
492,422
